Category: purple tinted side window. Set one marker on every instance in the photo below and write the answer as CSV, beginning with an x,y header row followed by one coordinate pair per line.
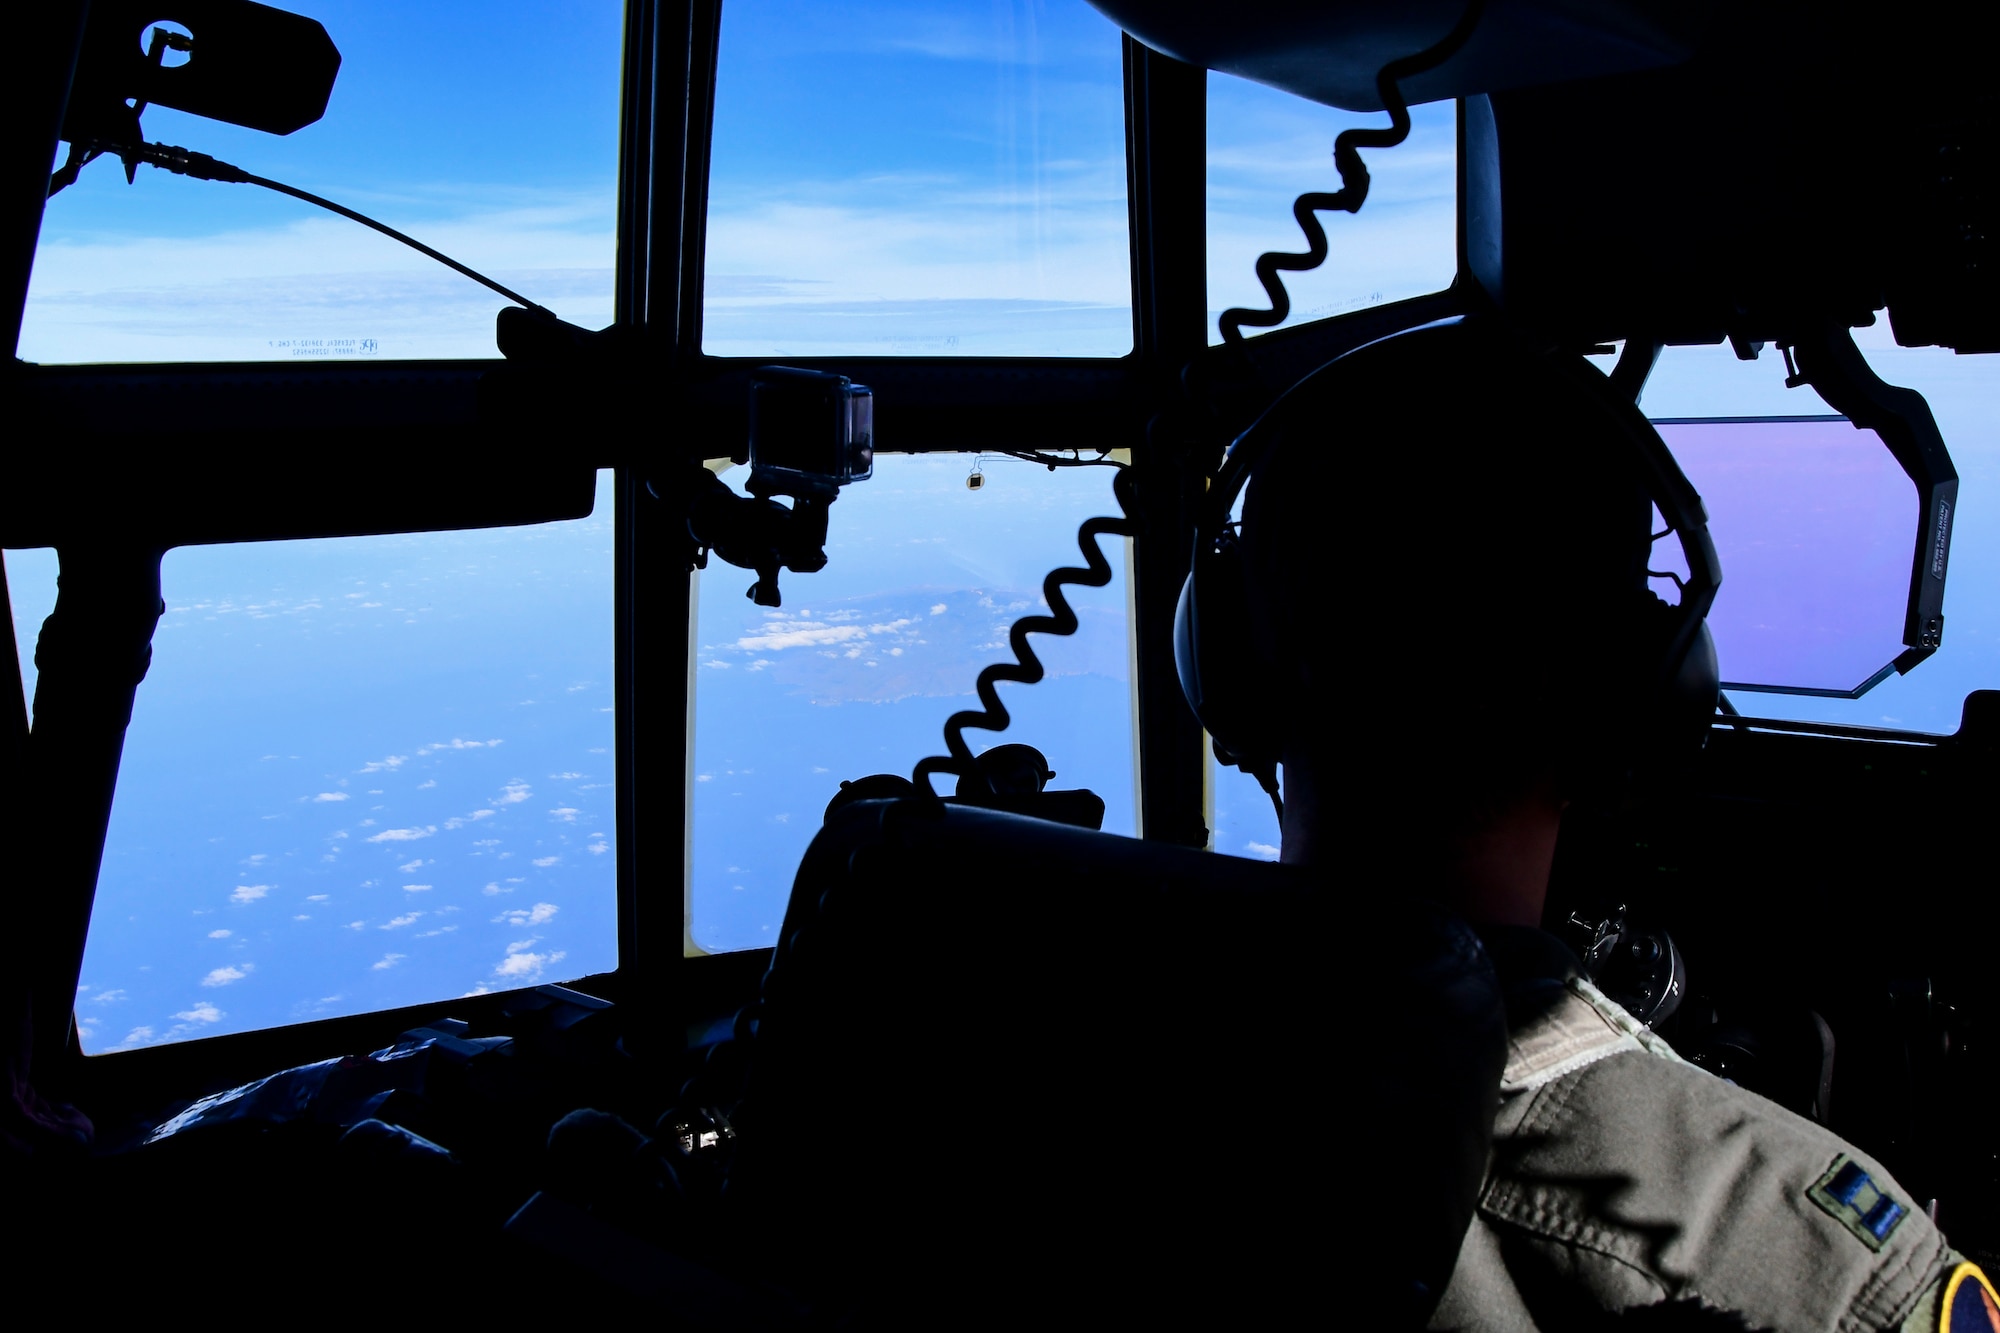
x,y
1813,522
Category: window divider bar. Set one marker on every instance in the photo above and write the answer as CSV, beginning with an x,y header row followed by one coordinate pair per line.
x,y
44,40
1166,117
654,584
675,99
639,62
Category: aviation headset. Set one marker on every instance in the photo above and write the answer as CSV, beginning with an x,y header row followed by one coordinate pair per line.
x,y
1228,671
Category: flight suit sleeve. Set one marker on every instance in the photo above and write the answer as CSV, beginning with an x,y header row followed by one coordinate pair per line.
x,y
1626,1178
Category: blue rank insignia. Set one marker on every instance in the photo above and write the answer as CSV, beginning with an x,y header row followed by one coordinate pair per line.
x,y
1849,1195
1970,1304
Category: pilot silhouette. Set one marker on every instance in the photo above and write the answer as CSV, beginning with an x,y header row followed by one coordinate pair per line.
x,y
1445,625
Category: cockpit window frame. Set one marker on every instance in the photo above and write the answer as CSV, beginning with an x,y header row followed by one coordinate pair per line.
x,y
1165,401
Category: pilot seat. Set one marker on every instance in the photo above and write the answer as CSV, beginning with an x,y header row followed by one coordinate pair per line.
x,y
1005,1069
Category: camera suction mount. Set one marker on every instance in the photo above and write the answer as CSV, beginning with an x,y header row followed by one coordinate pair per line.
x,y
811,433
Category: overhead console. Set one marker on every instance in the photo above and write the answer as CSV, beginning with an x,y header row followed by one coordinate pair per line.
x,y
1332,53
1806,167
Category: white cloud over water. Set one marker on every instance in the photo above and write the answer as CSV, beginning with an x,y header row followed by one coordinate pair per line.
x,y
403,834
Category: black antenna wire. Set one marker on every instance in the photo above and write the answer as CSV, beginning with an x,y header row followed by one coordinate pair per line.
x,y
1353,191
200,166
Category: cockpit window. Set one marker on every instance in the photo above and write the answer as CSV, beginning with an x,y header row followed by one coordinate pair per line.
x,y
935,179
1812,520
929,564
1265,148
361,773
1962,393
1242,820
488,131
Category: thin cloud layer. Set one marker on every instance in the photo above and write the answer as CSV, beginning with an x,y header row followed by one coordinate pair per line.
x,y
403,834
282,292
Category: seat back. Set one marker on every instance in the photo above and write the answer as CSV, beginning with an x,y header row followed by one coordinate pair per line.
x,y
1003,1065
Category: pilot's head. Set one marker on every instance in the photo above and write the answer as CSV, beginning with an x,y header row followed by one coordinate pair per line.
x,y
1445,552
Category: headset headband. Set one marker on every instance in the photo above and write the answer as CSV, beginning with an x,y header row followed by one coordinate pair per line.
x,y
1666,485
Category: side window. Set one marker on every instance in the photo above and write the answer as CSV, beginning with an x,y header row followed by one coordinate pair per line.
x,y
938,180
1812,518
856,673
1964,395
1266,148
488,131
361,773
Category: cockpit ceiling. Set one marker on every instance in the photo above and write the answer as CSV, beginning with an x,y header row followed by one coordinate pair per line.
x,y
1330,53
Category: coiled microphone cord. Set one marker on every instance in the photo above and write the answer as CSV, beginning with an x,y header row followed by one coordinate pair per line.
x,y
1353,191
1026,668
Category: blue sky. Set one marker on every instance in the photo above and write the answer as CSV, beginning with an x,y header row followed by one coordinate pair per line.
x,y
489,131
1265,148
970,201
903,178
975,202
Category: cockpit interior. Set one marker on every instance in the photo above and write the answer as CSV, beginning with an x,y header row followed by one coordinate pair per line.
x,y
600,725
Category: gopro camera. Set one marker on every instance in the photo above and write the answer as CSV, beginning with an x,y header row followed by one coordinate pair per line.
x,y
811,432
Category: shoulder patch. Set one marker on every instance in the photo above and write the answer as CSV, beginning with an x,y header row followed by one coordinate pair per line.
x,y
1850,1196
1970,1304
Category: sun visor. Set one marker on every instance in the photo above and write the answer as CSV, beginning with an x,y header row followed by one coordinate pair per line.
x,y
229,60
1807,167
1330,53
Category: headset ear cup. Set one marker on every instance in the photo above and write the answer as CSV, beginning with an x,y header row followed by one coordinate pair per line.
x,y
1188,664
1213,654
1684,682
1658,726
1690,692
